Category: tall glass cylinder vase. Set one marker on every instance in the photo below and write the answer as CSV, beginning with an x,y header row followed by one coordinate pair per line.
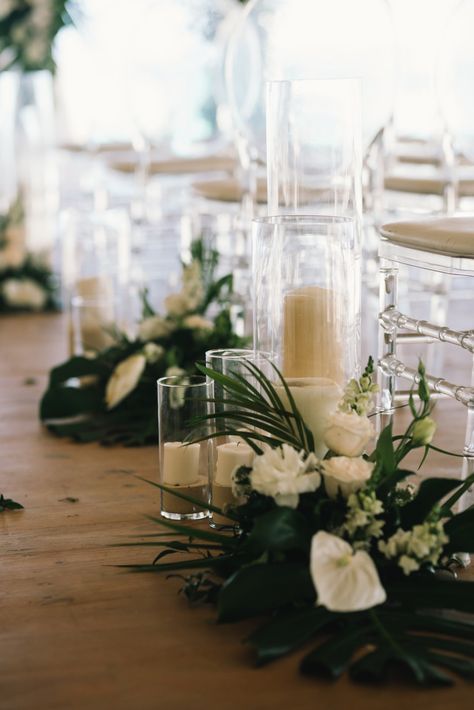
x,y
183,466
306,275
227,453
314,147
36,132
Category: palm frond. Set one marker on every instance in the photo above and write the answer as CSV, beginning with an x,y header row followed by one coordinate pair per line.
x,y
263,410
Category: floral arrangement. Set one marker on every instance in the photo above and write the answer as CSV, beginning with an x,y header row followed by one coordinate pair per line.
x,y
112,392
26,282
339,551
27,32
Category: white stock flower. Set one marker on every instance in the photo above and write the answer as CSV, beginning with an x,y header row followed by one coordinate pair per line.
x,y
198,322
154,327
283,474
348,434
124,379
344,581
423,544
24,293
177,304
153,352
345,475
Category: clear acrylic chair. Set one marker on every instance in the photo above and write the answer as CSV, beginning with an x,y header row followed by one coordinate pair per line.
x,y
441,245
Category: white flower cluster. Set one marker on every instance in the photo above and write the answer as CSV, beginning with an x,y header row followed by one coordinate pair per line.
x,y
24,293
191,295
361,524
422,544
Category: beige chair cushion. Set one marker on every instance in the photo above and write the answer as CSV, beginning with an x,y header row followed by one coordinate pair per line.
x,y
453,236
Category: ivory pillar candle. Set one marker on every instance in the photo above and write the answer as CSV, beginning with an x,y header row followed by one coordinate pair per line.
x,y
316,398
312,334
180,463
229,457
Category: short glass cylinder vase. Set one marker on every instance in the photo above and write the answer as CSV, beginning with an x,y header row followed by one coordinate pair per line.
x,y
183,466
227,453
306,275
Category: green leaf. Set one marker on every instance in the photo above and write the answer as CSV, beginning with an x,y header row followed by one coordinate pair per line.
x,y
261,588
331,658
446,508
196,533
389,483
279,530
460,529
62,402
9,504
428,592
385,454
287,632
77,367
430,492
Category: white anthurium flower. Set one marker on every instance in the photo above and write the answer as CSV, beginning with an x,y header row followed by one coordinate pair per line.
x,y
284,474
124,379
154,327
198,322
24,293
345,475
348,434
344,581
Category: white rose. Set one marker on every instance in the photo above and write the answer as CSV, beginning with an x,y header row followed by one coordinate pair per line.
x,y
153,352
283,474
154,327
24,293
177,304
124,379
348,434
346,475
344,580
198,322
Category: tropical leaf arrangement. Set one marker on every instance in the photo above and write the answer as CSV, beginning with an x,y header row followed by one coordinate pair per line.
x,y
109,395
26,281
340,554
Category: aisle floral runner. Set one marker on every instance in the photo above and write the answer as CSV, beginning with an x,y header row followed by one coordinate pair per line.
x,y
27,32
336,551
26,281
113,391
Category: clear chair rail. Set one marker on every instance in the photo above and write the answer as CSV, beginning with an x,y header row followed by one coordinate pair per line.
x,y
391,319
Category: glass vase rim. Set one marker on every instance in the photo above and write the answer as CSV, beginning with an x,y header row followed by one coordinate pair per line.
x,y
182,381
234,353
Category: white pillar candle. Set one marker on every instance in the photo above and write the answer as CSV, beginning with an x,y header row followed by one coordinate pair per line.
x,y
180,463
313,343
316,398
229,457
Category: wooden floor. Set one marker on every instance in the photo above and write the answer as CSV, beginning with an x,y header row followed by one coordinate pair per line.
x,y
76,632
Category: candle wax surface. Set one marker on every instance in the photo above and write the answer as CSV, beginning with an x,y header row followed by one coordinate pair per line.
x,y
229,457
180,463
316,398
313,333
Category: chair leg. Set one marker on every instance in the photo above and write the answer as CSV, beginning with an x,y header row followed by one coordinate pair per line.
x,y
387,335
